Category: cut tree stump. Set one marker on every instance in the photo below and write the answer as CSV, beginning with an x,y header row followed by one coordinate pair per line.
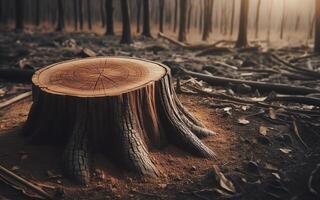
x,y
121,107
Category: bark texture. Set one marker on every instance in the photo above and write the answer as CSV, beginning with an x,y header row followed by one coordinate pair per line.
x,y
124,126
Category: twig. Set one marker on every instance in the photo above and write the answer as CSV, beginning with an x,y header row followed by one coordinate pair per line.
x,y
296,131
15,99
11,178
264,86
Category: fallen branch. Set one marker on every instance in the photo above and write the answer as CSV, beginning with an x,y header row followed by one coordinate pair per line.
x,y
262,86
191,47
293,60
304,71
16,75
295,99
15,99
20,183
214,51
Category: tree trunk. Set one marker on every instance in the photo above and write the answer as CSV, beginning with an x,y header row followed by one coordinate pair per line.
x,y
175,20
146,19
258,19
89,14
19,15
126,29
183,20
121,109
189,17
60,26
284,19
296,28
80,14
161,15
317,28
269,21
37,20
109,10
139,5
207,16
312,24
232,16
102,14
243,25
75,15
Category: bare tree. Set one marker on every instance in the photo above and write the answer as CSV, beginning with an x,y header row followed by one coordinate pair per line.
x,y
189,16
19,15
183,20
175,20
109,19
80,14
37,20
89,14
139,5
317,29
161,15
296,28
75,14
243,25
146,19
257,19
102,13
60,26
232,16
284,19
311,25
207,19
126,29
269,20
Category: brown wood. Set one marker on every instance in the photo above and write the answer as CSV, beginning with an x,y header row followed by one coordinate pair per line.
x,y
118,106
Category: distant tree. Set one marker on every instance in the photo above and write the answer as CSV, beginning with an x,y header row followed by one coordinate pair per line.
x,y
146,19
189,17
139,5
298,19
126,29
19,4
175,20
109,19
232,16
207,17
80,14
242,40
257,18
269,21
102,13
89,14
60,26
161,15
311,26
183,21
317,28
37,17
283,20
75,14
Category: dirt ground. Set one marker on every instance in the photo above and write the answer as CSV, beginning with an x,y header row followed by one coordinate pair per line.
x,y
261,166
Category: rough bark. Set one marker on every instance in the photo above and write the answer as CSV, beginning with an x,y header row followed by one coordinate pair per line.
x,y
109,19
161,14
183,21
123,121
126,28
243,25
19,4
146,19
317,27
60,26
89,14
257,19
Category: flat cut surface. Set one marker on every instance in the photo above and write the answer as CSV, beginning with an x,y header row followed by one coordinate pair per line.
x,y
94,77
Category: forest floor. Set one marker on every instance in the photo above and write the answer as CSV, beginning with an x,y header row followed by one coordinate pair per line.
x,y
267,152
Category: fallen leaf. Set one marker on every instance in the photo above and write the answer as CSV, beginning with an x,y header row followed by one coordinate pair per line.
x,y
15,168
285,150
270,167
272,113
263,130
223,181
243,121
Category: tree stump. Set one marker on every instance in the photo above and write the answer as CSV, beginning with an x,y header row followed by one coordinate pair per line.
x,y
121,107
